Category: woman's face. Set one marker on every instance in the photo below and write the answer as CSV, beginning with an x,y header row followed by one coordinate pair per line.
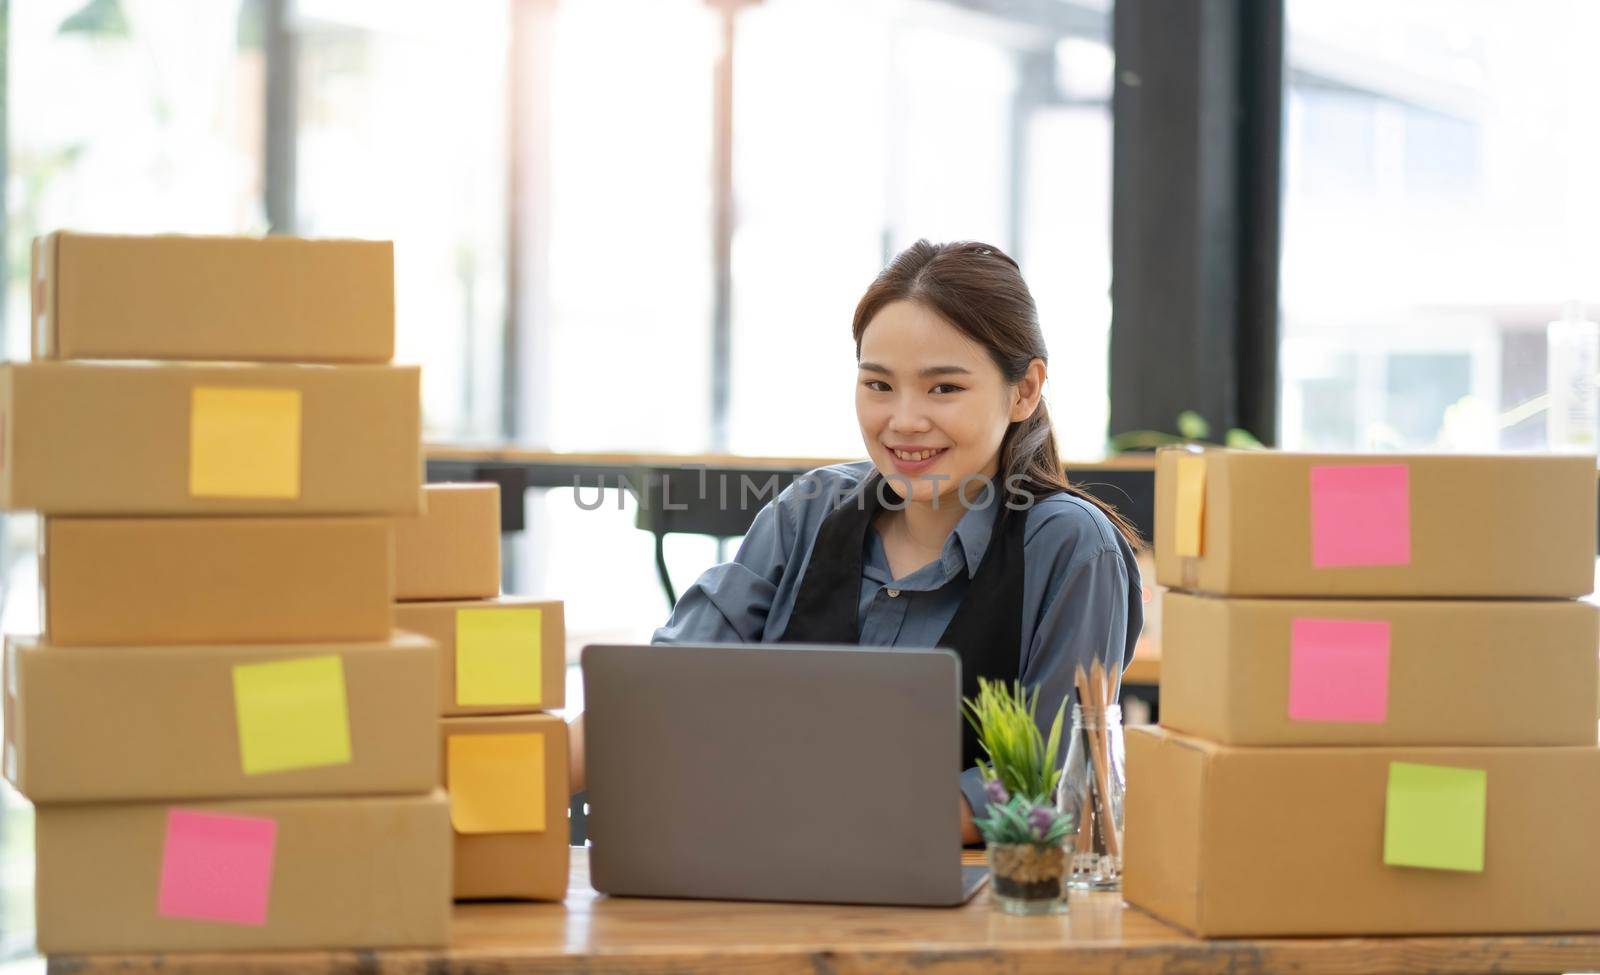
x,y
932,404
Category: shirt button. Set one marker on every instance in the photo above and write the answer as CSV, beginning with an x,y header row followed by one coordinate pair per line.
x,y
893,593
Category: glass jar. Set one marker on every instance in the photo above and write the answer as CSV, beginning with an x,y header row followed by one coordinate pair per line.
x,y
1028,878
1092,784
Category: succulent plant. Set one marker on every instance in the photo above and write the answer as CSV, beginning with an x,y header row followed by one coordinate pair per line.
x,y
1022,820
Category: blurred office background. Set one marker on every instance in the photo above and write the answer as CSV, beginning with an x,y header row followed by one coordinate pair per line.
x,y
642,225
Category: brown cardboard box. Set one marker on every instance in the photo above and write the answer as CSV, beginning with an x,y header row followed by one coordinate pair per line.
x,y
169,438
542,662
527,863
452,550
1381,672
215,580
334,873
1381,525
120,723
1234,842
219,298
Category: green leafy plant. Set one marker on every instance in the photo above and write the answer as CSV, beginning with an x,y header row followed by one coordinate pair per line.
x,y
1192,428
1020,758
1021,772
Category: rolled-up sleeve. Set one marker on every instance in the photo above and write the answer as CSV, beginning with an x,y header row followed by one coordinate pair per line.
x,y
729,603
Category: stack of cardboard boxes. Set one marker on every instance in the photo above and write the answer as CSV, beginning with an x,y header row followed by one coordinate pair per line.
x,y
227,744
1378,697
502,661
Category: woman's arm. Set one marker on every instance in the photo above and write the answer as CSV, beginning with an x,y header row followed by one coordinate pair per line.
x,y
969,829
729,603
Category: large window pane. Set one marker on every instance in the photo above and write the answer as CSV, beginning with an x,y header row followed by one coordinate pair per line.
x,y
1439,207
133,117
402,137
929,121
630,228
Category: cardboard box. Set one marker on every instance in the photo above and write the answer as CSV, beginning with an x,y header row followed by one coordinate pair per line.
x,y
251,874
511,829
215,580
120,723
168,438
280,299
1381,672
496,656
451,550
1264,523
1235,842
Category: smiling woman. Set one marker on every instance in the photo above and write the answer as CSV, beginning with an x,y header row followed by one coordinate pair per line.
x,y
961,313
960,531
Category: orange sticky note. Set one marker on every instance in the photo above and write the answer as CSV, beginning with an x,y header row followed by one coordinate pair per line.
x,y
496,783
1191,505
244,442
499,657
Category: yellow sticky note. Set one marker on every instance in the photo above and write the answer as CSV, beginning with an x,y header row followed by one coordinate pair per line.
x,y
1191,504
244,442
292,714
1434,817
499,658
496,783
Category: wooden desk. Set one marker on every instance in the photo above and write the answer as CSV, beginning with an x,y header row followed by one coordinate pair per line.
x,y
597,934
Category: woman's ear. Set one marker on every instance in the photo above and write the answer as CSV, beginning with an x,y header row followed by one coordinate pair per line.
x,y
1027,392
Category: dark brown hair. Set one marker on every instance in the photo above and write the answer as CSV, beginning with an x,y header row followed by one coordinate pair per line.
x,y
980,291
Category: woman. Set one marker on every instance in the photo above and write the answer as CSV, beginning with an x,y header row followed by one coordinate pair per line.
x,y
961,530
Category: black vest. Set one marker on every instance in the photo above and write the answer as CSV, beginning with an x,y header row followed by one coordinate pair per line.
x,y
986,632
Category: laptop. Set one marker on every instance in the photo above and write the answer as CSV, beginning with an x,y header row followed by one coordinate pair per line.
x,y
775,772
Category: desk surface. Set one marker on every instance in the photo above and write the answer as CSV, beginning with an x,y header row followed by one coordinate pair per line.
x,y
593,933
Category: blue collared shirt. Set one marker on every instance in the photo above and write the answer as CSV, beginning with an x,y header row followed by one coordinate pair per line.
x,y
1081,590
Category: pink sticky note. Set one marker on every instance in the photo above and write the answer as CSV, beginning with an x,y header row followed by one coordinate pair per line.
x,y
1360,515
1339,670
216,867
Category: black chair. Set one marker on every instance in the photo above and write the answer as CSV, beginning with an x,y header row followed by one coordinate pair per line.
x,y
719,502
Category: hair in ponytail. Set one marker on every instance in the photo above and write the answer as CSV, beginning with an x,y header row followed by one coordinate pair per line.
x,y
980,291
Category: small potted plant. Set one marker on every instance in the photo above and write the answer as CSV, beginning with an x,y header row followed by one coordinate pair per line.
x,y
1024,831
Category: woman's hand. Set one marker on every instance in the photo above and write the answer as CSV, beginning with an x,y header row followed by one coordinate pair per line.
x,y
575,770
969,829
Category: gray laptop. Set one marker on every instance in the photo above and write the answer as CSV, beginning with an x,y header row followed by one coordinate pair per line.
x,y
775,772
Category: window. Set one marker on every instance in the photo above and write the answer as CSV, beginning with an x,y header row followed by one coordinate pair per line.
x,y
401,136
1438,210
628,361
928,121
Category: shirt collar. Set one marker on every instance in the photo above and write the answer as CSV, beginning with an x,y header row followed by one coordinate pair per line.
x,y
973,531
963,550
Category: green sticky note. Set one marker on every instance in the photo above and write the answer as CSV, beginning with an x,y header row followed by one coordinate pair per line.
x,y
1435,816
498,657
292,714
